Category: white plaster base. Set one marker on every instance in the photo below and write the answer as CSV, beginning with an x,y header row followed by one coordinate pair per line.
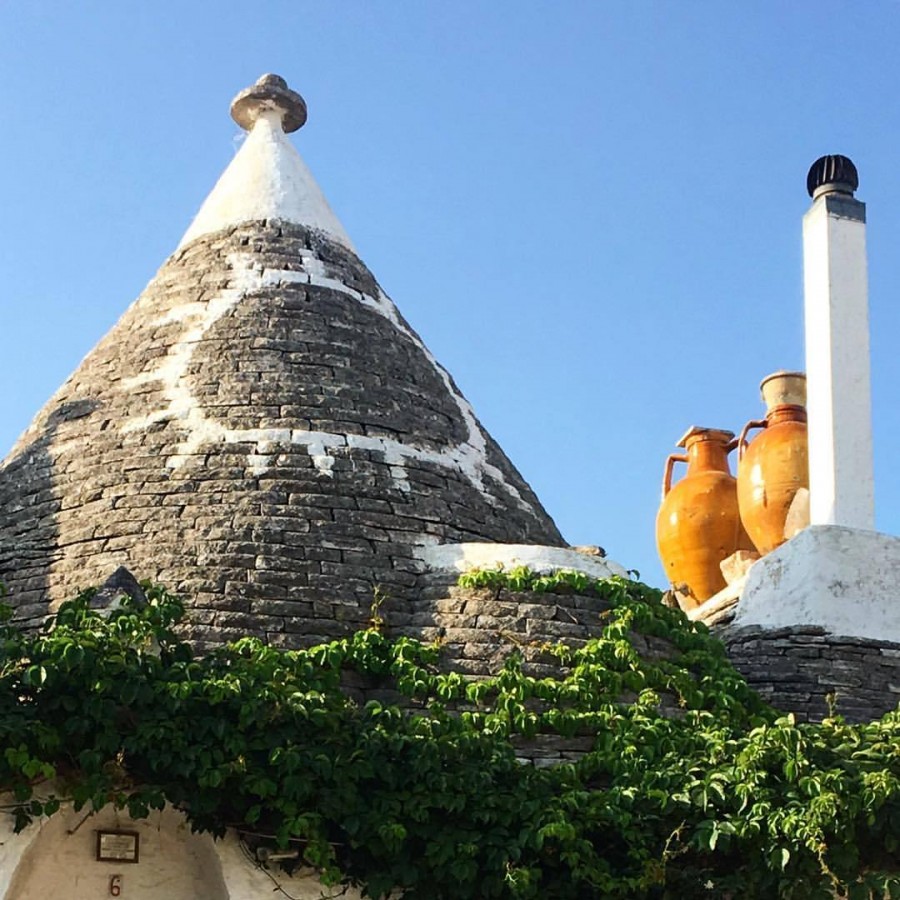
x,y
845,580
463,557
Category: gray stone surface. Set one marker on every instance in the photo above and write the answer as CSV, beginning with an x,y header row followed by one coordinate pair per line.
x,y
812,673
181,449
479,629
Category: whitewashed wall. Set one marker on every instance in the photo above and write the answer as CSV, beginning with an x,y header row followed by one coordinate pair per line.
x,y
56,858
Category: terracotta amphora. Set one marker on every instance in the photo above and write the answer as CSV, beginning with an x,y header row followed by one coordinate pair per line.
x,y
773,468
698,523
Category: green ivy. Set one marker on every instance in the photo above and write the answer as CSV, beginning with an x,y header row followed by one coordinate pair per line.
x,y
694,787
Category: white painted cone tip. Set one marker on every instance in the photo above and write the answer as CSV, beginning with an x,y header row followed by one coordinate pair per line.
x,y
267,179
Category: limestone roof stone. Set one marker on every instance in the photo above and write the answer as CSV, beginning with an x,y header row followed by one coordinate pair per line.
x,y
261,431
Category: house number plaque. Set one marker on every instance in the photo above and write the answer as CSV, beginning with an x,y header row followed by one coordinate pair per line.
x,y
117,846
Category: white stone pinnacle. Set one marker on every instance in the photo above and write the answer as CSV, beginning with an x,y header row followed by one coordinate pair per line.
x,y
267,179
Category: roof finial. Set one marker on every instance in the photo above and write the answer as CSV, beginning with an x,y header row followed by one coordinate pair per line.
x,y
269,93
832,175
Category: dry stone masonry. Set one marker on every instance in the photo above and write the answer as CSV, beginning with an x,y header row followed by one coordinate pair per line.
x,y
815,674
478,629
264,433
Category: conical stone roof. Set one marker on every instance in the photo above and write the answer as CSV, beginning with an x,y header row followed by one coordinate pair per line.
x,y
261,431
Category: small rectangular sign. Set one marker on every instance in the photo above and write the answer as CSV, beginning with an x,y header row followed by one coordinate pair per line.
x,y
117,846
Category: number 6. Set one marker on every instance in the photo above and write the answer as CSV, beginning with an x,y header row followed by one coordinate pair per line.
x,y
115,885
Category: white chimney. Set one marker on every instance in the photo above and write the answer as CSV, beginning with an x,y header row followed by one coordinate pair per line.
x,y
839,574
841,480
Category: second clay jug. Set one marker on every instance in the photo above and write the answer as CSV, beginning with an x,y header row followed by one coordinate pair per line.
x,y
773,468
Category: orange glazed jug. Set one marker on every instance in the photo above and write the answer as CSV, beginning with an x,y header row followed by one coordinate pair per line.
x,y
698,523
774,466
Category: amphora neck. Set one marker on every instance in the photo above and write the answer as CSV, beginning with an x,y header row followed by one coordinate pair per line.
x,y
707,454
785,412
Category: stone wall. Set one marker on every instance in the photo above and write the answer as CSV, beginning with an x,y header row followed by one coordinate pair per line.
x,y
479,629
797,668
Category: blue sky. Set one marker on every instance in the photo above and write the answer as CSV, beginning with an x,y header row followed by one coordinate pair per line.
x,y
589,210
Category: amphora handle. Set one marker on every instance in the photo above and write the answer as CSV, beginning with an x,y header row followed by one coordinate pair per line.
x,y
667,474
742,439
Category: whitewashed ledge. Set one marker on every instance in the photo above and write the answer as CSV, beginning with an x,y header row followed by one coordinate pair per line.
x,y
843,580
538,558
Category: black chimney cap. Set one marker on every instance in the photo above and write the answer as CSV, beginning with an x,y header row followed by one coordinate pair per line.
x,y
835,172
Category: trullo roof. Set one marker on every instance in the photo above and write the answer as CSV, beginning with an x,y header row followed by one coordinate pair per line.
x,y
261,431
